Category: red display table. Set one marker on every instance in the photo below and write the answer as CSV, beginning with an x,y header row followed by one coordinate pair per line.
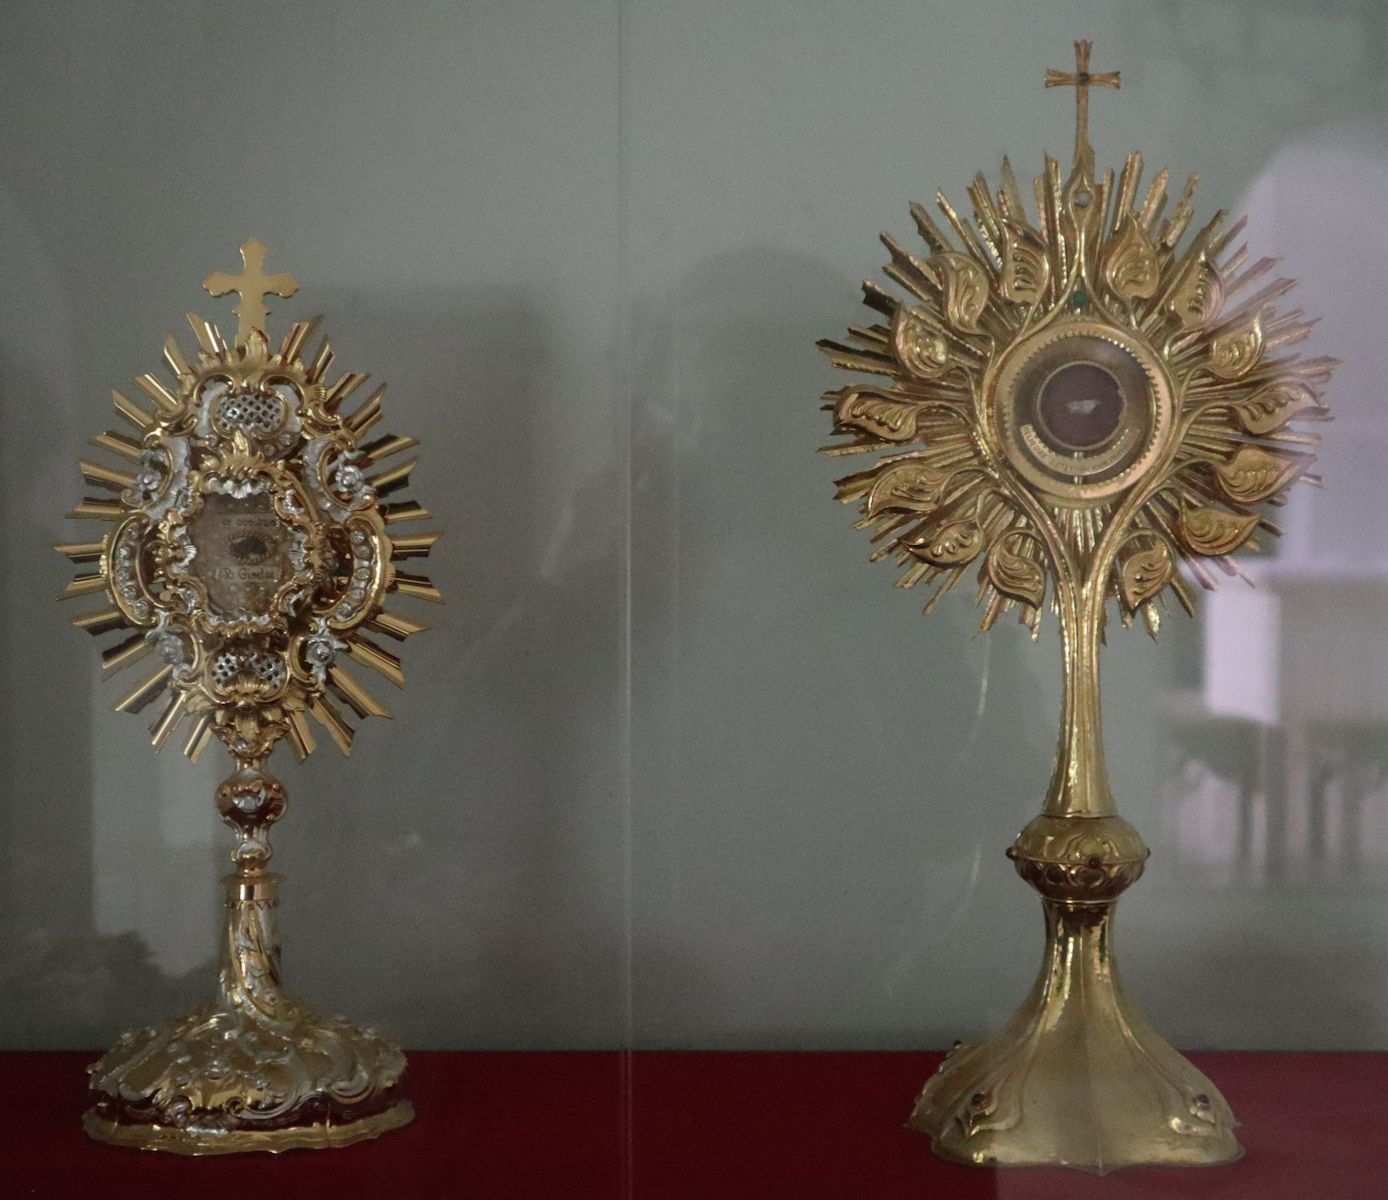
x,y
659,1126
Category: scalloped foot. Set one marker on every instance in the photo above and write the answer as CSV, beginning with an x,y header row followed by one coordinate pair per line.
x,y
229,1077
1077,1078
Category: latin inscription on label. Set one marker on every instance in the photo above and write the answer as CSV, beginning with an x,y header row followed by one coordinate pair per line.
x,y
243,553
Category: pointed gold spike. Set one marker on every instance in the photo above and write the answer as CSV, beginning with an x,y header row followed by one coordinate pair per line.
x,y
373,656
367,415
301,736
131,411
156,391
406,510
294,341
331,720
394,480
361,701
168,721
124,654
118,444
84,585
173,355
101,622
198,736
105,477
321,362
92,509
396,626
417,585
208,335
146,691
384,447
343,388
413,545
81,552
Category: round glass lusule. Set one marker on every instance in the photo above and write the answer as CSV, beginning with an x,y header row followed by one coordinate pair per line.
x,y
1080,406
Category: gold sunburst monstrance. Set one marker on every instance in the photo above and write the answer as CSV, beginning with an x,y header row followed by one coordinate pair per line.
x,y
1077,400
253,545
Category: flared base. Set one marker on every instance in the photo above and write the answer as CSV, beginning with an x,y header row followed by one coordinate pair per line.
x,y
1077,1078
234,1077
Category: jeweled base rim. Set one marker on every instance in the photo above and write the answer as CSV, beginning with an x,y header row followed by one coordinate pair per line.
x,y
170,1139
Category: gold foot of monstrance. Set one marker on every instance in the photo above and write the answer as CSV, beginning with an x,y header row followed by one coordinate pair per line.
x,y
1075,404
251,546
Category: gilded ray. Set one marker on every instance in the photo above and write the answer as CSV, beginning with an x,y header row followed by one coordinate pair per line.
x,y
396,626
131,411
124,654
331,720
118,444
146,691
360,700
417,585
413,545
384,447
82,552
101,622
381,660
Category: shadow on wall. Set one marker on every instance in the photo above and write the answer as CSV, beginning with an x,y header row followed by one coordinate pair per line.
x,y
807,815
468,862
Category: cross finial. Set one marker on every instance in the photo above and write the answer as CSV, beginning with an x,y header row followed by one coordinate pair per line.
x,y
252,285
1082,80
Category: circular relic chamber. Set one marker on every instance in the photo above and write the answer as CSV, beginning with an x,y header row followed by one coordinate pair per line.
x,y
1081,409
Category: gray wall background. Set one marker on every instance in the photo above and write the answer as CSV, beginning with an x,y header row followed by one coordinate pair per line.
x,y
676,767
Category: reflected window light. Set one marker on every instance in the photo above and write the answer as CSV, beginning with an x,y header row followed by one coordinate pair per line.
x,y
1290,773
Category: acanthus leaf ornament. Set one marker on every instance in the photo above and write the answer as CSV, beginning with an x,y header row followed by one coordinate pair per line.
x,y
1198,296
1275,405
922,349
877,414
1144,571
910,485
1253,474
251,551
1015,573
1235,352
1131,267
965,285
1100,418
1213,532
1026,264
952,544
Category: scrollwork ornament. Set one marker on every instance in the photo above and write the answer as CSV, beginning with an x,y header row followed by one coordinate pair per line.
x,y
252,549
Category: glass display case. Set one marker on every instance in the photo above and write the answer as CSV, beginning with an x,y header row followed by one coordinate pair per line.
x,y
679,773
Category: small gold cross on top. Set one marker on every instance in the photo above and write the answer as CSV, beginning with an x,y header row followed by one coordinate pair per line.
x,y
1082,80
252,285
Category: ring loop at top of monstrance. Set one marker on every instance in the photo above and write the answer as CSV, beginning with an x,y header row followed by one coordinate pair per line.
x,y
1084,404
253,546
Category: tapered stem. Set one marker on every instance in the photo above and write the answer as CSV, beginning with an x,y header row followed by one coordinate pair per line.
x,y
1080,785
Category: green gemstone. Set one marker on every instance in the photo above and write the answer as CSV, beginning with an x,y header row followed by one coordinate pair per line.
x,y
1081,299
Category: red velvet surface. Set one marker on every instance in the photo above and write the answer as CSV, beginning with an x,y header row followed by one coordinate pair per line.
x,y
657,1126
